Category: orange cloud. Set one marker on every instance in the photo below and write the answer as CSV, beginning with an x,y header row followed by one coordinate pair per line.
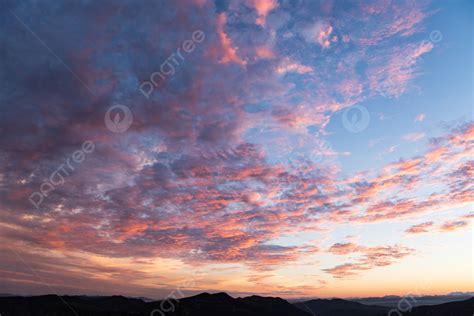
x,y
288,65
264,52
420,228
263,7
468,216
230,53
372,257
453,225
343,248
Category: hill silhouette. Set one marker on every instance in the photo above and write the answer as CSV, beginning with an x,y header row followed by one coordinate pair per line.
x,y
209,305
462,308
392,300
334,307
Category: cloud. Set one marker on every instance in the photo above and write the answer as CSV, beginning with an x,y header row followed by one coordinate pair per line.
x,y
447,226
413,137
263,7
396,69
289,66
321,33
404,25
370,258
420,228
468,216
446,162
229,52
227,206
420,117
453,225
343,248
264,52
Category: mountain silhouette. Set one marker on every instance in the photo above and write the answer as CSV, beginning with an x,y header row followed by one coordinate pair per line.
x,y
335,307
393,301
205,304
462,308
222,304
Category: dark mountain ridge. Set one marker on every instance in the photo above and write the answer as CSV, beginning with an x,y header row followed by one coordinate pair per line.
x,y
218,304
337,306
418,300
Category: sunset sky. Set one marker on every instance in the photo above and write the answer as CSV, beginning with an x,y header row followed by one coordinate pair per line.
x,y
291,148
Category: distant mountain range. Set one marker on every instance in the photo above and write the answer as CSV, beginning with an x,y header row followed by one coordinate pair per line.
x,y
335,307
205,304
394,301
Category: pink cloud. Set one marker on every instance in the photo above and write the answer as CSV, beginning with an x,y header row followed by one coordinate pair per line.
x,y
323,36
391,74
420,117
343,248
264,52
350,88
288,65
453,225
397,18
263,7
320,33
229,52
371,258
420,228
468,216
413,137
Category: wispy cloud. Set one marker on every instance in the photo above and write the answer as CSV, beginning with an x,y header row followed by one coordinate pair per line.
x,y
453,225
420,117
371,258
414,137
420,228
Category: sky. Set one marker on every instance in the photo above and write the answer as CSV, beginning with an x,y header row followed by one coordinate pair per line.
x,y
274,147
